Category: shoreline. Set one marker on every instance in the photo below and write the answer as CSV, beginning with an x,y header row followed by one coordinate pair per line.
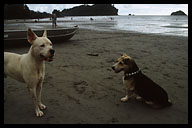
x,y
99,30
114,31
92,25
81,89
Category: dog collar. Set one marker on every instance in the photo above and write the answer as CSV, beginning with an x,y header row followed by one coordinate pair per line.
x,y
133,73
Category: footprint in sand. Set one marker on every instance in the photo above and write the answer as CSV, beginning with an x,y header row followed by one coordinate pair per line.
x,y
73,99
111,61
113,120
80,86
109,78
54,102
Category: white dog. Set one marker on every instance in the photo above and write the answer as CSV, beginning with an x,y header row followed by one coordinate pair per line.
x,y
30,68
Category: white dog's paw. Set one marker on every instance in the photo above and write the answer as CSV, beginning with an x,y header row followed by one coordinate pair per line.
x,y
39,113
124,98
42,106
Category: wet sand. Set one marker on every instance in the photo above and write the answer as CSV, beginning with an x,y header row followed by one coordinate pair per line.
x,y
79,88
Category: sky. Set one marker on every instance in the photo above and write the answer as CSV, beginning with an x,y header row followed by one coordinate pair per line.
x,y
123,9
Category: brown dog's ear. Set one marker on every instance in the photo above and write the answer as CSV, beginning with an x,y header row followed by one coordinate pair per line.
x,y
124,54
126,61
31,36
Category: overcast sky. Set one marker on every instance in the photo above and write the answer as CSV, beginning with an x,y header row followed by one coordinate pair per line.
x,y
123,9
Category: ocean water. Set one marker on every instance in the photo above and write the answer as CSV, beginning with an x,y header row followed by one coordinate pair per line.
x,y
166,25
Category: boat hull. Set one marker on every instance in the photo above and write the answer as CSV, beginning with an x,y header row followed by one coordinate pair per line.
x,y
18,38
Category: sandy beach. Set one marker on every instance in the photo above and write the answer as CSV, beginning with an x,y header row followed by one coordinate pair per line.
x,y
83,89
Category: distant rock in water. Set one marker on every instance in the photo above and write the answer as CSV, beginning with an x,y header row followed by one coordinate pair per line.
x,y
178,13
131,15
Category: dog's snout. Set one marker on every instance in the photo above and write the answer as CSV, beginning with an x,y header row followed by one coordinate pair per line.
x,y
52,51
113,67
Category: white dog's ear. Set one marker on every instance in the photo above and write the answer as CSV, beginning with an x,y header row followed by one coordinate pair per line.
x,y
31,36
45,33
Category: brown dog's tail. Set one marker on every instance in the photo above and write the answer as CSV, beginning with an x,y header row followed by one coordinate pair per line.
x,y
169,103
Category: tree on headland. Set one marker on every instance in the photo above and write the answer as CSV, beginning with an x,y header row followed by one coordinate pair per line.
x,y
21,11
57,12
94,10
16,11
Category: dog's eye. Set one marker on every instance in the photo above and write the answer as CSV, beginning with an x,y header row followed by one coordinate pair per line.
x,y
42,45
51,44
120,63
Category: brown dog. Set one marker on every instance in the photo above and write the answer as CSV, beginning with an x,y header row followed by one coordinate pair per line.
x,y
135,81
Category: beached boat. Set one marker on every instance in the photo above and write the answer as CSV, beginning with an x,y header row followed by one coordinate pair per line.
x,y
14,38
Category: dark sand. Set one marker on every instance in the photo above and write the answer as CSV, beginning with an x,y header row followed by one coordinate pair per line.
x,y
79,88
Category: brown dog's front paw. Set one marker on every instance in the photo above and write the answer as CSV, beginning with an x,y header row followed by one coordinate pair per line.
x,y
124,99
138,98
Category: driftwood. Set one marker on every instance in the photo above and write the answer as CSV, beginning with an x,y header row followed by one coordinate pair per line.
x,y
93,54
